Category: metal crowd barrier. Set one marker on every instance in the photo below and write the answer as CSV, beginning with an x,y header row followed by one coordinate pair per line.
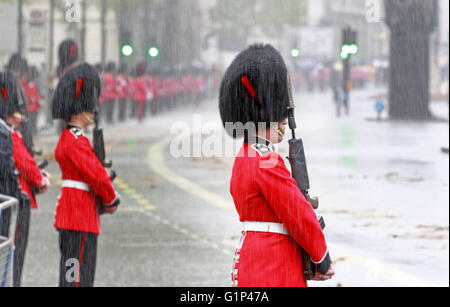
x,y
8,219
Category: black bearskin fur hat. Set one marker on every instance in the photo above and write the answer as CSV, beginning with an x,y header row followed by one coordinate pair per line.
x,y
254,89
9,95
77,92
110,67
67,54
17,64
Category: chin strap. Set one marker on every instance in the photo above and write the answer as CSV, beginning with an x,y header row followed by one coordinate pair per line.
x,y
19,115
278,131
88,117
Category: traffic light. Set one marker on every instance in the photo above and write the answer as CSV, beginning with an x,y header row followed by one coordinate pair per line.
x,y
295,52
349,43
153,51
127,50
347,50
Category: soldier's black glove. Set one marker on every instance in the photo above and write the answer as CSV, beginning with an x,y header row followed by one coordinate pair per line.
x,y
323,267
112,208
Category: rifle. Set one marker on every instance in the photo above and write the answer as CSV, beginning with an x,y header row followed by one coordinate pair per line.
x,y
99,150
299,169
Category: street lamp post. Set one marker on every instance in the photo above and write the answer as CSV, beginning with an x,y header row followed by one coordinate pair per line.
x,y
83,29
19,27
103,33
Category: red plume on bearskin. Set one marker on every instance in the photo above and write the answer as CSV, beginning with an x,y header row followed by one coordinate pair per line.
x,y
4,94
249,87
80,82
9,98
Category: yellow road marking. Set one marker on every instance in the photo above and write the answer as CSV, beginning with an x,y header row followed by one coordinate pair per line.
x,y
156,163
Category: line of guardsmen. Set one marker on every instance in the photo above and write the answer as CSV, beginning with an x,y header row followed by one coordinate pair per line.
x,y
126,93
22,177
142,90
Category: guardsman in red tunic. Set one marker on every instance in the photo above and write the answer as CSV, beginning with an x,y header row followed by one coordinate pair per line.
x,y
131,93
142,92
153,88
122,91
85,180
277,219
33,98
110,91
30,176
199,86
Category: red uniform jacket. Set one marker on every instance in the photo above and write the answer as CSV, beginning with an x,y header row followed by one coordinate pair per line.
x,y
77,209
199,84
29,173
122,87
264,191
141,90
25,88
163,88
131,88
101,97
153,86
32,94
109,87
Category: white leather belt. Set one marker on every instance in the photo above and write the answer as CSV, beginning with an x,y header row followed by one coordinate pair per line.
x,y
265,227
76,185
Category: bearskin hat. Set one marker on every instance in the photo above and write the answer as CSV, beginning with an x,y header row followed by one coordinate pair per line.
x,y
110,67
67,54
254,89
123,68
17,63
9,95
77,92
141,69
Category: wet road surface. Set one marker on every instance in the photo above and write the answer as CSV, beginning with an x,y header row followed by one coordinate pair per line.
x,y
383,189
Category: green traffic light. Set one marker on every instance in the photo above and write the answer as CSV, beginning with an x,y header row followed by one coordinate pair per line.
x,y
295,53
347,50
153,52
127,50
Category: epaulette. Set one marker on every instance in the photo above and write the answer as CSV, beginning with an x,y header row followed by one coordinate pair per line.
x,y
77,132
262,149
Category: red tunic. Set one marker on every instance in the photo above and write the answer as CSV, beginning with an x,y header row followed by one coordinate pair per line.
x,y
25,88
141,90
122,87
264,191
131,89
77,209
29,173
153,86
109,87
199,84
33,98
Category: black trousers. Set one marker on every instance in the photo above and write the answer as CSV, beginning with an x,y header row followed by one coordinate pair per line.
x,y
109,108
122,109
78,258
33,118
21,241
4,222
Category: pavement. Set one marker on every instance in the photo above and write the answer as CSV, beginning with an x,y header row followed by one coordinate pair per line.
x,y
383,190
